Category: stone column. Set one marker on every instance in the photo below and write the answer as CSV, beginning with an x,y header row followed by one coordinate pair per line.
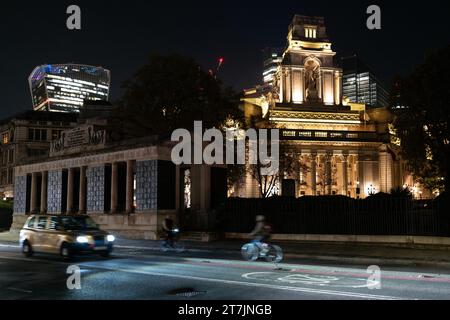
x,y
328,176
70,177
33,200
288,86
114,187
314,174
360,176
281,95
82,201
44,192
345,174
130,187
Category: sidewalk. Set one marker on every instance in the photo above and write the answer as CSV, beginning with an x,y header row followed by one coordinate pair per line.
x,y
360,253
331,252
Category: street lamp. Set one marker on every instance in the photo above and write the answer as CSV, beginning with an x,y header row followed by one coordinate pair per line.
x,y
371,190
358,190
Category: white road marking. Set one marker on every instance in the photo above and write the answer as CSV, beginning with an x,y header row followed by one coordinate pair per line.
x,y
20,290
309,279
261,285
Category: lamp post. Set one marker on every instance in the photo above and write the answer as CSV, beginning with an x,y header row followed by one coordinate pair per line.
x,y
358,190
370,190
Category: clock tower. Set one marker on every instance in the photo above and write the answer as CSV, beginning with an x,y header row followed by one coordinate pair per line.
x,y
307,74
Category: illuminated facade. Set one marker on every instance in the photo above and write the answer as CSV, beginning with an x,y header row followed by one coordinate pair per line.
x,y
25,137
65,87
344,148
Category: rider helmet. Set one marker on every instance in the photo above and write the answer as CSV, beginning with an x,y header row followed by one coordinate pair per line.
x,y
260,218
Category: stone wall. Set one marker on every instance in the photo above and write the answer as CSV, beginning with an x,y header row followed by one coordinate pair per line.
x,y
146,225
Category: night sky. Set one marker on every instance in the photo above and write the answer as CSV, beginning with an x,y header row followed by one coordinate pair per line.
x,y
120,35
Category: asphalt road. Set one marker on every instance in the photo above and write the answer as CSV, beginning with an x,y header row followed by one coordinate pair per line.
x,y
139,274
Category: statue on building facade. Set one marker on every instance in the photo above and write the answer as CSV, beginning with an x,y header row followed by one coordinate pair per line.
x,y
312,75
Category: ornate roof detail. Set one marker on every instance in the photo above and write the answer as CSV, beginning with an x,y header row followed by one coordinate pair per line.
x,y
279,115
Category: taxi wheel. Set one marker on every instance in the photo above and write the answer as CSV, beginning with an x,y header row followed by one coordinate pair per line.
x,y
105,254
65,251
27,249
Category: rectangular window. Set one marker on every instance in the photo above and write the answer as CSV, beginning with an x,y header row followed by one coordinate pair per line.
x,y
44,135
54,223
42,222
11,156
10,176
30,134
311,32
336,135
5,138
321,134
56,134
31,222
3,177
37,134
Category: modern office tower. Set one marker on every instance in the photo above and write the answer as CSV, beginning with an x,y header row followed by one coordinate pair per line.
x,y
65,87
272,59
360,85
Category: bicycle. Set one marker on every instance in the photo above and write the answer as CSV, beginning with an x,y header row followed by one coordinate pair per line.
x,y
173,245
254,250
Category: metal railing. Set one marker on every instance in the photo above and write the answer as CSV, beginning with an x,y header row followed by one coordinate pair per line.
x,y
338,215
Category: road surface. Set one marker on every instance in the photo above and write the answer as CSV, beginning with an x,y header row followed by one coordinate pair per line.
x,y
135,273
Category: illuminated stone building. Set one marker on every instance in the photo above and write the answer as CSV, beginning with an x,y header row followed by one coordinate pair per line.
x,y
344,148
26,136
126,186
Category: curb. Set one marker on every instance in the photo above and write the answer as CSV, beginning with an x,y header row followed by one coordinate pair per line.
x,y
330,258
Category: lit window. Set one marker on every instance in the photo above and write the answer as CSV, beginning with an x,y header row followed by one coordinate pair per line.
x,y
311,32
5,138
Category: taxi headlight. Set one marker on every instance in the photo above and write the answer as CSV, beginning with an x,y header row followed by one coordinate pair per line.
x,y
82,239
110,238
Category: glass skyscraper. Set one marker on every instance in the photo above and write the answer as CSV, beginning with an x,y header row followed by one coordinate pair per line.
x,y
272,59
360,85
65,87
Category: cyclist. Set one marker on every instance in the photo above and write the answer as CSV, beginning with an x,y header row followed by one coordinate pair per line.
x,y
168,229
261,234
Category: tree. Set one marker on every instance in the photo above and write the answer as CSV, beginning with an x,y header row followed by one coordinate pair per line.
x,y
289,165
171,92
401,192
422,124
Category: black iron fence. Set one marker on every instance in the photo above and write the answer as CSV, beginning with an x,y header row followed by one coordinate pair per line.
x,y
339,215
